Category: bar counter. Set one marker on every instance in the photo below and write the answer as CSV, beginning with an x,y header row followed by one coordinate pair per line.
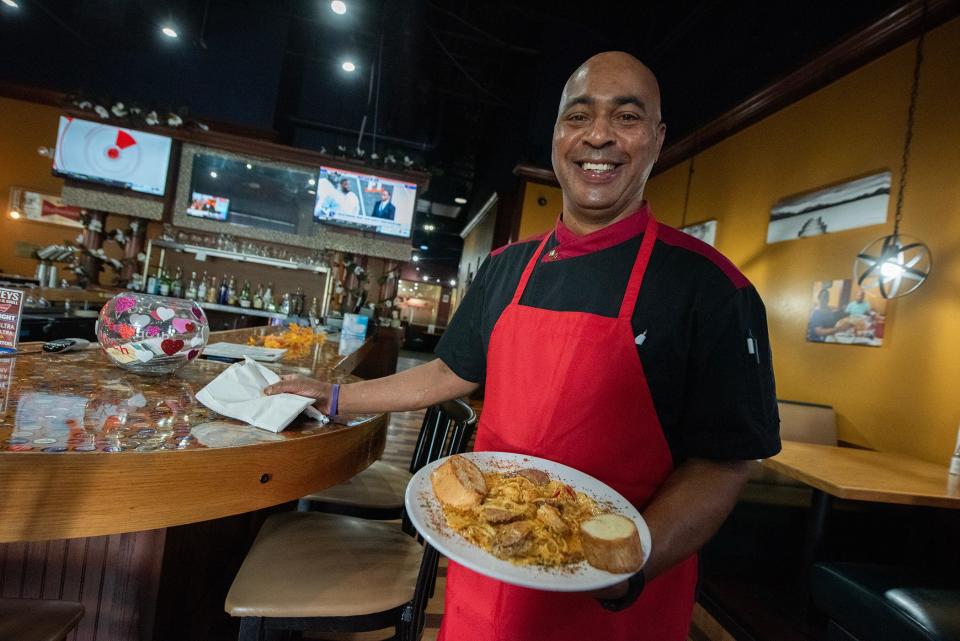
x,y
84,446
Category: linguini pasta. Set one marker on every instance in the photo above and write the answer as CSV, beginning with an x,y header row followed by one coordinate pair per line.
x,y
525,522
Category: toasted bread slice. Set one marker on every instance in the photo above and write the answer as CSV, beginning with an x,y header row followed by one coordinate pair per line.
x,y
611,542
458,483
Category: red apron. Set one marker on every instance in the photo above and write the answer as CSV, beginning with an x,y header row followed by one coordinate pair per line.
x,y
569,387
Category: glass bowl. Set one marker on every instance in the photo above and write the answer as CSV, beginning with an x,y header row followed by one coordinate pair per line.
x,y
151,334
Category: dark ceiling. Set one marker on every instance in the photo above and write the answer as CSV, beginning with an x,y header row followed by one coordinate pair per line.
x,y
467,88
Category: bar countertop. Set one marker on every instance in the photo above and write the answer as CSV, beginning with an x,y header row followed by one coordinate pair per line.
x,y
87,448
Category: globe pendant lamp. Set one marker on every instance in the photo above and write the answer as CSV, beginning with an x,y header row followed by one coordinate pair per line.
x,y
897,265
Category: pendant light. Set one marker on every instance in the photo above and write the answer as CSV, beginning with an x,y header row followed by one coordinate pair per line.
x,y
896,265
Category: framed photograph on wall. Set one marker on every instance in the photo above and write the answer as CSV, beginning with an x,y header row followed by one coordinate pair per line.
x,y
848,205
841,313
705,231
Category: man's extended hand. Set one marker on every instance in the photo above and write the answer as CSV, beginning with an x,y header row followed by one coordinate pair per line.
x,y
303,386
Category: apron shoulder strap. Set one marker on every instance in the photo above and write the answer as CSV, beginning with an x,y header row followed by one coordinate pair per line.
x,y
639,268
525,277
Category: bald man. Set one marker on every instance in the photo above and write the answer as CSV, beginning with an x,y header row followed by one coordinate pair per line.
x,y
615,345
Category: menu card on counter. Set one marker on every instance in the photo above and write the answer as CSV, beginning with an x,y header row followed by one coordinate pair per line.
x,y
11,308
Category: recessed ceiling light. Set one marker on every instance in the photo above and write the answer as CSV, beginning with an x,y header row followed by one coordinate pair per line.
x,y
418,269
460,200
312,192
11,3
249,166
416,258
426,277
424,248
169,32
312,182
339,7
349,66
453,283
213,174
13,214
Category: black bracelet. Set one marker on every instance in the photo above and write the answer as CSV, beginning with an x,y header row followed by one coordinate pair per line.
x,y
634,587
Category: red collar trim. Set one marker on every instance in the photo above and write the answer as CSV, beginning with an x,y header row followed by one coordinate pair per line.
x,y
569,245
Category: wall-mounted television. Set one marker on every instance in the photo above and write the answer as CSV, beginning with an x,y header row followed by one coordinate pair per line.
x,y
365,201
112,156
207,206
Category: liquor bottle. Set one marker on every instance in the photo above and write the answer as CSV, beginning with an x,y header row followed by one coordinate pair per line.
x,y
268,303
232,291
191,292
314,313
258,297
213,292
176,285
202,288
222,295
153,282
245,295
164,281
285,304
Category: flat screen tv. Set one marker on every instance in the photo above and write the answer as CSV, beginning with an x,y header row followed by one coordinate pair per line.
x,y
365,201
207,206
113,156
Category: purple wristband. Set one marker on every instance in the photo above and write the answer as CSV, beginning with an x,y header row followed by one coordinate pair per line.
x,y
334,399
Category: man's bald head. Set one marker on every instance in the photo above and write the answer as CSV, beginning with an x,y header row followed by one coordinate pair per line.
x,y
618,64
607,136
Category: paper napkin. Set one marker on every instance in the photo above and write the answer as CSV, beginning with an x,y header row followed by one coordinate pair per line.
x,y
238,393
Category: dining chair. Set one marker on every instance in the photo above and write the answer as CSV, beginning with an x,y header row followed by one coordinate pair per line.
x,y
38,619
337,573
377,492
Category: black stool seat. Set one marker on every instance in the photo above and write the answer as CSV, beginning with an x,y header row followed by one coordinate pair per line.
x,y
37,619
882,603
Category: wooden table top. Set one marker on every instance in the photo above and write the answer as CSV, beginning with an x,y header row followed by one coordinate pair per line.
x,y
88,449
867,475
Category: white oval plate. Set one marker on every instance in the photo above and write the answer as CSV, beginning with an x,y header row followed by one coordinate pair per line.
x,y
427,517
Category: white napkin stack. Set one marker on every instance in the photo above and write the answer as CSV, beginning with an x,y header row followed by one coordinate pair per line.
x,y
238,393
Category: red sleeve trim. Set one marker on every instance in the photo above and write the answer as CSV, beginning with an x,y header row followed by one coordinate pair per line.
x,y
531,239
677,238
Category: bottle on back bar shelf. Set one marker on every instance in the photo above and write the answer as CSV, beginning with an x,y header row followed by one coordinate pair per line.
x,y
285,304
268,303
314,314
222,295
202,288
213,292
164,280
245,295
153,283
258,297
191,292
232,291
176,285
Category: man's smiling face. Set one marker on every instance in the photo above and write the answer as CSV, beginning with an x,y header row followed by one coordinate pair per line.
x,y
607,136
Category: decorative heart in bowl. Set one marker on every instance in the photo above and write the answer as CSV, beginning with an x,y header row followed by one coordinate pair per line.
x,y
151,334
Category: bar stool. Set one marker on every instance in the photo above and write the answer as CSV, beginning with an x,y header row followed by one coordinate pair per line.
x,y
336,573
38,619
377,492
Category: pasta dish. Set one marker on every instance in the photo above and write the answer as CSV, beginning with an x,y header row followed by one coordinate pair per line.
x,y
526,518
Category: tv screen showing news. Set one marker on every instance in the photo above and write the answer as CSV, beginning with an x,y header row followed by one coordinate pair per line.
x,y
113,156
365,201
207,206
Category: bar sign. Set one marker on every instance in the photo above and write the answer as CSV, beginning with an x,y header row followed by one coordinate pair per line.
x,y
11,308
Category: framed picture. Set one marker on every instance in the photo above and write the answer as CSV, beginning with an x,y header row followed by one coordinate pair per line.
x,y
841,313
855,203
705,231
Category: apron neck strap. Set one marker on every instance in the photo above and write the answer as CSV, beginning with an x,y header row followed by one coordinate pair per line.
x,y
639,268
529,269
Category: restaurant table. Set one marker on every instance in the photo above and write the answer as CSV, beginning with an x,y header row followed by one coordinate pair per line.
x,y
860,475
99,465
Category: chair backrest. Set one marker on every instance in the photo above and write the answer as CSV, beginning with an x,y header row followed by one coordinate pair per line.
x,y
447,429
804,422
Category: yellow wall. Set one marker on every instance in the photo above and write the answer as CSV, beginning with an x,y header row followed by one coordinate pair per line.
x,y
536,218
900,397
